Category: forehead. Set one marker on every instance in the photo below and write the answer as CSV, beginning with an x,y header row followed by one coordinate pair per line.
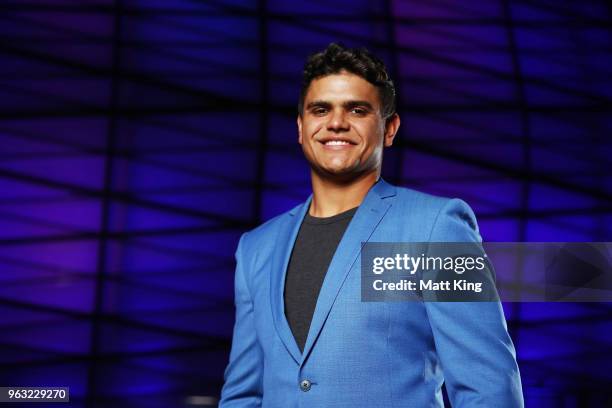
x,y
343,86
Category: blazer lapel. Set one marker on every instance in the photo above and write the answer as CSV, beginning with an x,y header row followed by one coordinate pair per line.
x,y
364,222
284,245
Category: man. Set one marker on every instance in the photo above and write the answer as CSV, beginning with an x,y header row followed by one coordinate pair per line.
x,y
303,337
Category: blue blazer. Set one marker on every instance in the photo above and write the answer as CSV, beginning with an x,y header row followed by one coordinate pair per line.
x,y
366,354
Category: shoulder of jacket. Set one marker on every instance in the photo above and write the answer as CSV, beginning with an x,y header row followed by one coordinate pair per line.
x,y
268,229
423,201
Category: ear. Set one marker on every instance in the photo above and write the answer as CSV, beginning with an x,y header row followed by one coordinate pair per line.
x,y
299,125
391,127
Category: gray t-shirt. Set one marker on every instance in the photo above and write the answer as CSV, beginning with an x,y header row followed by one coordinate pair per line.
x,y
312,253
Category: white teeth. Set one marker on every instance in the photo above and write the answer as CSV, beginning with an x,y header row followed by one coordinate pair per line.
x,y
336,143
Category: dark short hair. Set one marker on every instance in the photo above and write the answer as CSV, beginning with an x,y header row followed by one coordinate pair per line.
x,y
359,61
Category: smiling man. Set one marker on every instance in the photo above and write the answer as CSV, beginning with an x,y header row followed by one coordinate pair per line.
x,y
303,337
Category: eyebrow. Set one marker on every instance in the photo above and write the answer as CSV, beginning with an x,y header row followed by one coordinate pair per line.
x,y
345,105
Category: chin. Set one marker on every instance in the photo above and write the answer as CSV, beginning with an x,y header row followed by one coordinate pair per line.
x,y
338,174
338,170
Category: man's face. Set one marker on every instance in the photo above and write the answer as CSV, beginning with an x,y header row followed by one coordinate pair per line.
x,y
341,130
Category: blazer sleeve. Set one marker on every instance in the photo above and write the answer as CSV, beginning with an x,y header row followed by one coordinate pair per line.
x,y
475,350
244,373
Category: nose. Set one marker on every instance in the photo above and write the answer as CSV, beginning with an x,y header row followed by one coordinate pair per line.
x,y
337,121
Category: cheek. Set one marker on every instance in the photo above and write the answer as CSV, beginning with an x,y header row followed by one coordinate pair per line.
x,y
310,131
374,138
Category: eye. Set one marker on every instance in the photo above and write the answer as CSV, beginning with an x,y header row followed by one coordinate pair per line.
x,y
319,111
359,111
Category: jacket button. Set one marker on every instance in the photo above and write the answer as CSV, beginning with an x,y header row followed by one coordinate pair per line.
x,y
305,385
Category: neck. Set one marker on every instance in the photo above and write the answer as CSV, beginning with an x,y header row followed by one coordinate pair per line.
x,y
331,197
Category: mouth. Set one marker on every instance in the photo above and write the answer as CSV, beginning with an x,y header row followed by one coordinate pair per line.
x,y
333,142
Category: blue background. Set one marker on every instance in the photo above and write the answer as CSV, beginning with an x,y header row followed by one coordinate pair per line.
x,y
139,139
